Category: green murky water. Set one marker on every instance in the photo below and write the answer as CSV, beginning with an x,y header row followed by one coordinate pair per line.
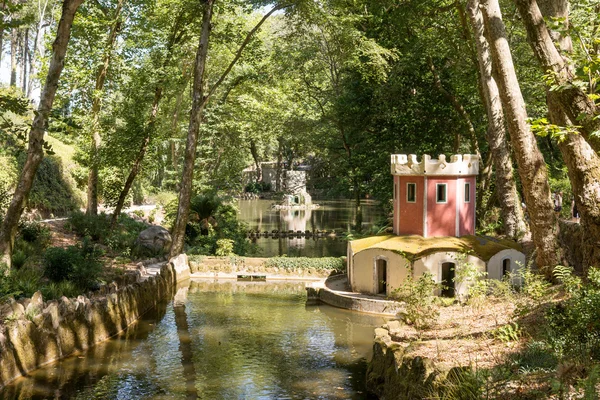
x,y
221,341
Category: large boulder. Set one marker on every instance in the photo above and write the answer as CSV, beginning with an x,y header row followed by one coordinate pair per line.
x,y
155,239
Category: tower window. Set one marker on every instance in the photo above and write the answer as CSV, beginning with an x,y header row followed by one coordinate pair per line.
x,y
441,193
411,192
467,192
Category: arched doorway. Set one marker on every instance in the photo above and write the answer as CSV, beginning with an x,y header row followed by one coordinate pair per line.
x,y
448,288
505,267
381,276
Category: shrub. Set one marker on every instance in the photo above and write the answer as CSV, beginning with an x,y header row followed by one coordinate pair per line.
x,y
573,325
34,231
26,281
55,290
95,226
418,294
320,264
79,264
18,259
224,247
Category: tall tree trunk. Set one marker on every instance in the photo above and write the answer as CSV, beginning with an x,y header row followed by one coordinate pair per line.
x,y
256,158
2,27
278,174
196,115
35,151
583,163
574,101
37,44
199,102
150,127
92,187
510,205
13,57
531,165
25,53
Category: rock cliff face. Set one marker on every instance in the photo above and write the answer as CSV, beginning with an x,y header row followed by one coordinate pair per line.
x,y
37,332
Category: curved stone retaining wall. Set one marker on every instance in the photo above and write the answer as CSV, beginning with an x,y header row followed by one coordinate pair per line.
x,y
395,373
38,332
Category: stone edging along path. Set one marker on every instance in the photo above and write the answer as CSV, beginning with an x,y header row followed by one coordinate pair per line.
x,y
38,333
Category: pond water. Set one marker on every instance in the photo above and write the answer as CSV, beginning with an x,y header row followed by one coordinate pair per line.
x,y
332,214
221,341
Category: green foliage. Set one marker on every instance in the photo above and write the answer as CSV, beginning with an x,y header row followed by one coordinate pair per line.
x,y
18,259
468,274
320,264
212,219
257,187
51,192
34,231
79,264
507,333
95,226
26,281
55,290
461,384
535,356
418,295
224,248
573,326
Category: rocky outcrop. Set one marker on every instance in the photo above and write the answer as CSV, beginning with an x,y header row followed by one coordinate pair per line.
x,y
36,333
155,239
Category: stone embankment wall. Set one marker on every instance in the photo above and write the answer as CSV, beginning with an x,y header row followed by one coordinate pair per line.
x,y
396,374
223,266
38,333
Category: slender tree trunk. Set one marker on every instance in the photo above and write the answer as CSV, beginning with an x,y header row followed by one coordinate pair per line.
x,y
35,151
256,158
92,187
2,27
13,57
199,102
279,164
37,44
583,163
24,65
532,168
510,205
574,101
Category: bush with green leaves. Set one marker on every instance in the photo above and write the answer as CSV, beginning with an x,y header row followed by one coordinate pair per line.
x,y
79,264
573,325
419,299
34,231
335,264
95,226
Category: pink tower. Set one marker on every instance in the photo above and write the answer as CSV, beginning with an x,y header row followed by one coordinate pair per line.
x,y
434,197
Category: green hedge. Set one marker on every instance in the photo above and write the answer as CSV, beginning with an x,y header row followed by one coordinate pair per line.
x,y
324,263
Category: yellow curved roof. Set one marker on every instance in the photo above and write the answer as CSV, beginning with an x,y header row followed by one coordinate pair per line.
x,y
414,246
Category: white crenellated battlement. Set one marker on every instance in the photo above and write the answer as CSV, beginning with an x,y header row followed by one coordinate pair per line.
x,y
459,164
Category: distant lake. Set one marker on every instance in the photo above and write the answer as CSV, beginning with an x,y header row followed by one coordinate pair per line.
x,y
332,214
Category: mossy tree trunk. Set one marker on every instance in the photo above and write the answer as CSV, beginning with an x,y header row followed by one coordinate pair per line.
x,y
531,165
510,205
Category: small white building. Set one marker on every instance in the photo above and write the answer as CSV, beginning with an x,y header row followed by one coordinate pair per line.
x,y
434,226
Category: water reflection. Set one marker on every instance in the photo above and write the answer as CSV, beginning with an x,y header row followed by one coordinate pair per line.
x,y
332,215
231,340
